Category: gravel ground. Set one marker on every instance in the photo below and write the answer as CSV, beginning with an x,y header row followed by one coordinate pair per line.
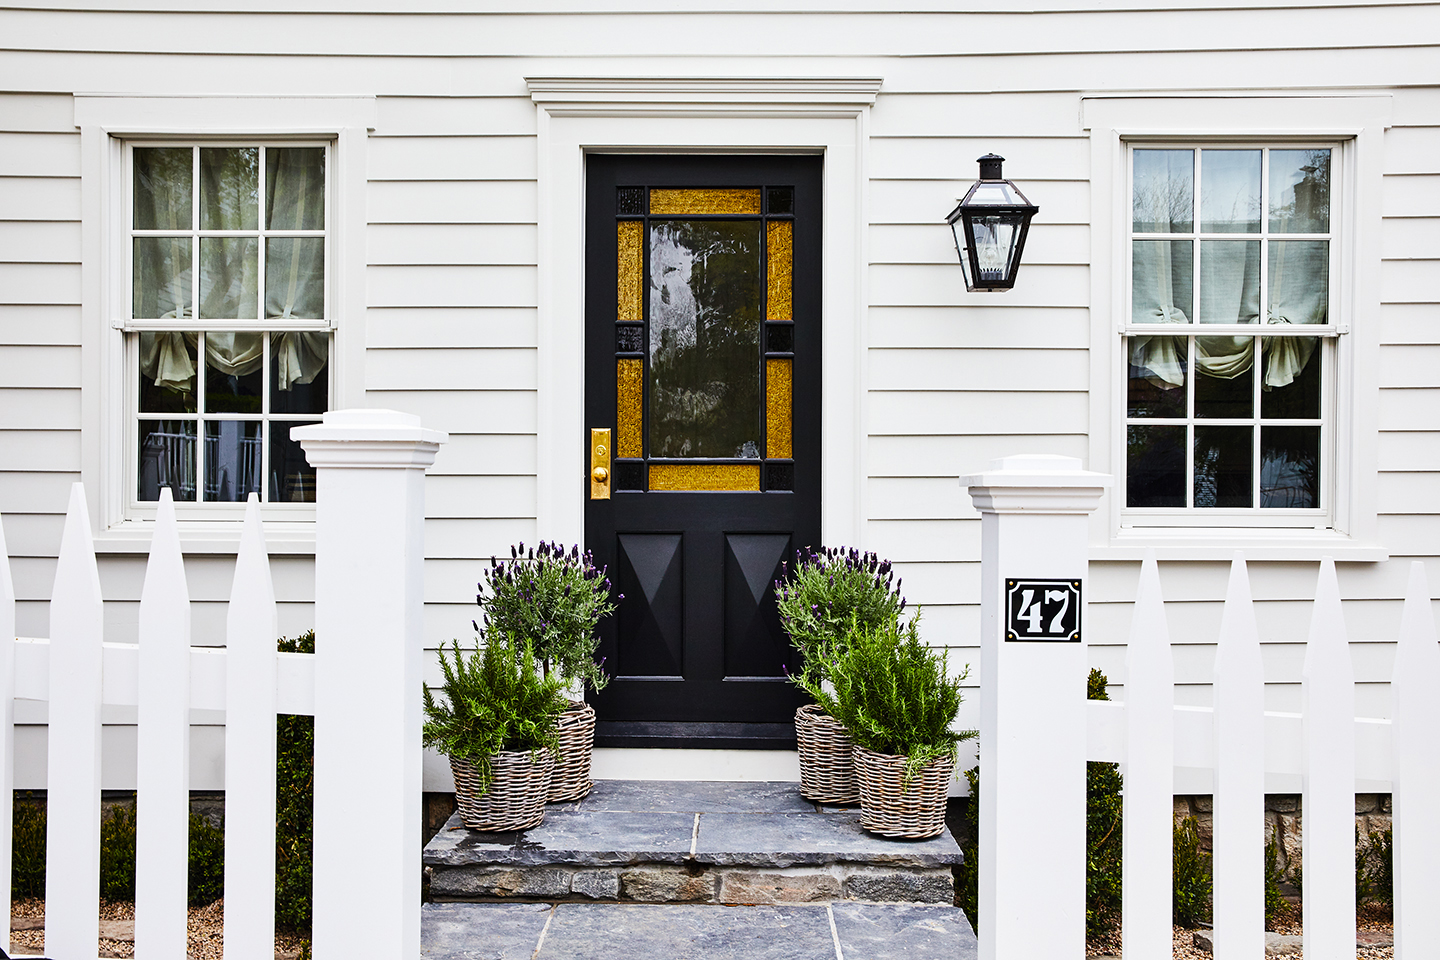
x,y
1371,918
206,931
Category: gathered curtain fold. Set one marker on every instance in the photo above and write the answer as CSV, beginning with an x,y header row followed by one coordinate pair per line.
x,y
168,357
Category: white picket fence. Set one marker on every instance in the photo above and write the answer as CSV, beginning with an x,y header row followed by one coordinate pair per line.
x,y
362,686
1325,743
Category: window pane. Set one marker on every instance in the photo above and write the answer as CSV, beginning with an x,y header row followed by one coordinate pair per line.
x,y
167,459
295,277
1225,386
228,271
1224,466
1155,466
1299,281
292,479
162,278
1229,281
1300,191
233,374
229,188
1164,198
162,188
167,373
299,374
1162,281
1291,390
232,459
705,338
1157,376
1290,467
1229,191
295,188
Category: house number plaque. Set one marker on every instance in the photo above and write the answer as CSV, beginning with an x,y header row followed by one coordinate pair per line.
x,y
1042,610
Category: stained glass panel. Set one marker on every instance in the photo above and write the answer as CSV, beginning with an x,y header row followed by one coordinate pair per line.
x,y
704,476
780,268
629,269
700,202
629,407
778,410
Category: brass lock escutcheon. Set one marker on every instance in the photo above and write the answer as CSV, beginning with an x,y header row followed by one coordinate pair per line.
x,y
599,464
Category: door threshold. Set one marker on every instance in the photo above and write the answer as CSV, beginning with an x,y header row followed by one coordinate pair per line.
x,y
695,735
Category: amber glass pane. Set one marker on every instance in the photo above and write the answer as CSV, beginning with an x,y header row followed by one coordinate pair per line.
x,y
778,409
704,339
690,202
704,476
629,269
778,246
629,407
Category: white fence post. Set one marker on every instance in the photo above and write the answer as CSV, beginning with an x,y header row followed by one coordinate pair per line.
x,y
72,845
1034,513
250,695
1239,817
7,731
1416,776
1328,694
369,585
162,767
1149,774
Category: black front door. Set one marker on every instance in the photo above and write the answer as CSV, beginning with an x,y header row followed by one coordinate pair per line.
x,y
702,360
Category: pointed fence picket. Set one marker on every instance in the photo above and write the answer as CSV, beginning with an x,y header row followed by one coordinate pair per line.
x,y
1416,777
7,723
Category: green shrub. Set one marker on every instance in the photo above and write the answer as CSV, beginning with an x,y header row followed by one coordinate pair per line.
x,y
1104,832
294,808
1274,873
117,854
1193,881
829,590
27,848
496,699
1374,867
967,875
554,599
207,861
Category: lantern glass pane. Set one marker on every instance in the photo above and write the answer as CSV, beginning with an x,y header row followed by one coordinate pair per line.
x,y
995,238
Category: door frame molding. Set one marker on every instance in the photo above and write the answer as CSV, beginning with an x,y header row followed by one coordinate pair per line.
x,y
581,115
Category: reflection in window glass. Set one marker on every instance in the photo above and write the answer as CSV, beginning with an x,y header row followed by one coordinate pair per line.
x,y
1229,191
167,372
292,479
233,375
232,459
295,188
1164,191
1224,466
1300,191
1158,366
1290,467
161,197
1155,458
1292,378
167,459
1226,385
299,372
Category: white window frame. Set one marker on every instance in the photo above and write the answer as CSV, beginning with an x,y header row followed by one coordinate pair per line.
x,y
108,126
1346,526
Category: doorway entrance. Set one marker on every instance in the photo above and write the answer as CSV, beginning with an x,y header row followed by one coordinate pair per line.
x,y
702,361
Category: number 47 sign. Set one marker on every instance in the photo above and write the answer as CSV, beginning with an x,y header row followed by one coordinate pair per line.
x,y
1042,610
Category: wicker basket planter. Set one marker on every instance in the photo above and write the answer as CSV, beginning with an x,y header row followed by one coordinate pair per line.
x,y
576,728
516,798
891,808
827,761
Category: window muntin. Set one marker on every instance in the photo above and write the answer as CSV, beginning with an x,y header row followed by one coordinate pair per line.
x,y
1228,413
229,344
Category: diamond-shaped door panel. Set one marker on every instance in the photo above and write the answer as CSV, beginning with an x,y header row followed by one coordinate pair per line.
x,y
651,615
755,644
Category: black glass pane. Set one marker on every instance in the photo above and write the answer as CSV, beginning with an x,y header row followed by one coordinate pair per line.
x,y
629,475
292,479
779,476
630,200
234,372
1225,386
705,338
1224,466
1155,466
1290,467
780,338
1291,390
629,338
299,372
167,373
167,459
780,199
232,459
1158,368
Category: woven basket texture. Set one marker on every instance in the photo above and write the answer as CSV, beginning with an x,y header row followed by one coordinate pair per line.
x,y
571,779
516,798
891,808
827,762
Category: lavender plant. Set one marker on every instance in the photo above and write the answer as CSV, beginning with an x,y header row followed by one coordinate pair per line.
x,y
555,599
826,594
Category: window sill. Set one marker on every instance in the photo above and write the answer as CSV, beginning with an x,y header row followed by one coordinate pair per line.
x,y
282,537
1220,543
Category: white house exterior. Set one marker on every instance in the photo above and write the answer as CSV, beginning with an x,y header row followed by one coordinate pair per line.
x,y
448,278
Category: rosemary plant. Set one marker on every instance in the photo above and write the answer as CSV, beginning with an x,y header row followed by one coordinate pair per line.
x,y
825,593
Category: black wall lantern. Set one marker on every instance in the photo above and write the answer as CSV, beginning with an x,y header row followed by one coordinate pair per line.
x,y
990,226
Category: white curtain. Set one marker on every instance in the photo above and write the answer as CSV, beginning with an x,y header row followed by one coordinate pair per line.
x,y
167,357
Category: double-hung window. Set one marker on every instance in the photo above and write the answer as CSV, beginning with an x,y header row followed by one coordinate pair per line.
x,y
1229,341
228,339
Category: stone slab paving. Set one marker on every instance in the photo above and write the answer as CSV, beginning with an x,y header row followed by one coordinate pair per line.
x,y
697,796
578,931
574,837
798,839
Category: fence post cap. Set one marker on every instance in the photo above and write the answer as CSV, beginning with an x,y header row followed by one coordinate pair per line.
x,y
360,437
1036,470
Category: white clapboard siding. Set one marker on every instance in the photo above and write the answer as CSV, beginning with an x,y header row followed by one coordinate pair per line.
x,y
937,412
1408,281
7,724
451,286
997,369
463,243
483,453
934,158
40,154
1409,450
452,368
24,241
42,283
452,158
507,497
454,116
42,324
460,201
978,327
1410,238
42,366
40,198
27,408
1411,195
162,775
928,201
451,327
949,457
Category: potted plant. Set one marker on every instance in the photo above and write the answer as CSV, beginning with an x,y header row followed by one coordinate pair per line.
x,y
827,592
555,599
497,723
893,696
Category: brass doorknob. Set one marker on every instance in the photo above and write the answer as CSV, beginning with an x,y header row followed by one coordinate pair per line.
x,y
600,474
